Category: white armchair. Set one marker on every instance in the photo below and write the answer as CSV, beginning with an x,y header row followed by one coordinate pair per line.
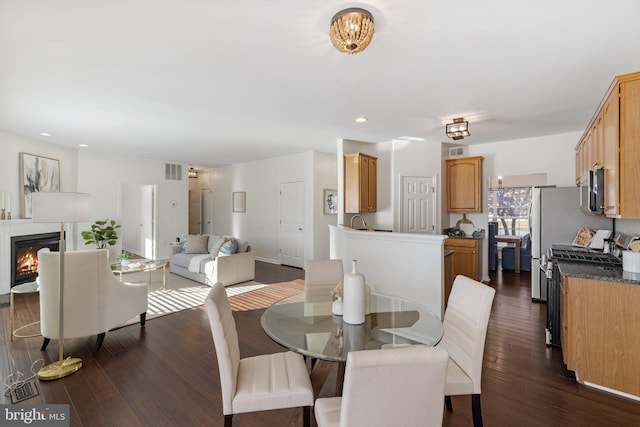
x,y
95,301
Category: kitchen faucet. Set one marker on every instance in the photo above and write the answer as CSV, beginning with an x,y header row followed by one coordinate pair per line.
x,y
364,223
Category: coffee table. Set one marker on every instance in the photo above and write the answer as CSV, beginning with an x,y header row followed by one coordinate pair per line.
x,y
24,288
141,266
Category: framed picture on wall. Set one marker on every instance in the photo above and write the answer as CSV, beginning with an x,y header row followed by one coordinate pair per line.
x,y
239,201
37,174
330,201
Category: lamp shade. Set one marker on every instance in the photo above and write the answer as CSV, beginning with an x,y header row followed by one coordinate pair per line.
x,y
61,207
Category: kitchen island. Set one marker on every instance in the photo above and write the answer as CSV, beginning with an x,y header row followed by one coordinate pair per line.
x,y
600,319
403,264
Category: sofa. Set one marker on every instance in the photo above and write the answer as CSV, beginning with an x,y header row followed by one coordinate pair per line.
x,y
193,258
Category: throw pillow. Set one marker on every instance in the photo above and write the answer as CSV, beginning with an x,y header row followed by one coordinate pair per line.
x,y
228,248
243,245
216,248
196,244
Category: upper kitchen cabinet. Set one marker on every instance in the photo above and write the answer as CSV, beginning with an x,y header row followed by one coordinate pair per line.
x,y
360,183
464,184
612,141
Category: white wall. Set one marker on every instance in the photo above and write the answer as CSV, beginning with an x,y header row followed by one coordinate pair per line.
x,y
12,144
261,181
416,158
101,175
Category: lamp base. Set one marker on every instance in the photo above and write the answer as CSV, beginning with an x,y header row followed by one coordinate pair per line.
x,y
54,371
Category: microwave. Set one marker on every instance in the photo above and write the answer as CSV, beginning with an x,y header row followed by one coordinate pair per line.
x,y
592,192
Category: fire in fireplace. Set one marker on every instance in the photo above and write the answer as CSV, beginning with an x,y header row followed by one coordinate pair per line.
x,y
24,255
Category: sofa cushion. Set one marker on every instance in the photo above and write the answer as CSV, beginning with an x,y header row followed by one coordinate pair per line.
x,y
213,239
181,259
243,245
229,247
196,244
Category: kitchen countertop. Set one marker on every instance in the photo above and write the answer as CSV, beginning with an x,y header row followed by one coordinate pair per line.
x,y
598,272
447,252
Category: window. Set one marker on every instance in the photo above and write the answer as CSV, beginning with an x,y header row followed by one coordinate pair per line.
x,y
510,207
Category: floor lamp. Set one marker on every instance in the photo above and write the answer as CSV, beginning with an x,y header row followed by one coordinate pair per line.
x,y
62,208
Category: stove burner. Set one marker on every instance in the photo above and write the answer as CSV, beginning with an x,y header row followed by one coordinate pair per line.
x,y
585,255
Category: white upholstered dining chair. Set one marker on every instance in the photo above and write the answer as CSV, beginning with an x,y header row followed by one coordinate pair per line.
x,y
269,381
95,301
465,329
320,277
391,387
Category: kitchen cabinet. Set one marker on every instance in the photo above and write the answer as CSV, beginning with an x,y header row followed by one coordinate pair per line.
x,y
448,276
599,332
612,141
467,257
464,184
360,183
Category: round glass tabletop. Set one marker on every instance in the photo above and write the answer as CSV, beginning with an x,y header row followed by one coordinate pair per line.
x,y
307,326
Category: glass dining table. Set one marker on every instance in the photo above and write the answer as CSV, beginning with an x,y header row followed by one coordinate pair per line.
x,y
306,325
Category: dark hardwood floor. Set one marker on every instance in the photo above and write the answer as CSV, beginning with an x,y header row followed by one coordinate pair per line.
x,y
166,373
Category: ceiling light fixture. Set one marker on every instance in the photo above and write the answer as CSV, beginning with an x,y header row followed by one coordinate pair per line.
x,y
45,134
360,119
351,30
83,146
458,129
192,173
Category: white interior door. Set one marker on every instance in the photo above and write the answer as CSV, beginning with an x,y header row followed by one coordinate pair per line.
x,y
195,212
137,219
418,204
292,224
206,202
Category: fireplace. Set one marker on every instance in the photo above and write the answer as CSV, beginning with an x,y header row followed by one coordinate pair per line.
x,y
24,255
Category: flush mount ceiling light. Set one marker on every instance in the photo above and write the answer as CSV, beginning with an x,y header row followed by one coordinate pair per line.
x,y
458,129
351,30
192,173
360,120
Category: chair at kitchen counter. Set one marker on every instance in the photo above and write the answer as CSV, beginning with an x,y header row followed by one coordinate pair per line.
x,y
509,257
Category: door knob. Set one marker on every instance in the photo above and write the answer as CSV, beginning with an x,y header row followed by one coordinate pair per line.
x,y
299,229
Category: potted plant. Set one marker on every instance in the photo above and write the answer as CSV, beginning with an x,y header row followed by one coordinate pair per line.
x,y
124,258
102,234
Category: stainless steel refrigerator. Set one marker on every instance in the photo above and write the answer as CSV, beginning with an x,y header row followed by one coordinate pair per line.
x,y
555,218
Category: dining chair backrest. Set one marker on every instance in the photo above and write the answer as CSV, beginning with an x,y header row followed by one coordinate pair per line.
x,y
401,387
225,339
465,325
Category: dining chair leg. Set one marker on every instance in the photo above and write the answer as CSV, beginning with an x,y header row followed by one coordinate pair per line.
x,y
306,416
228,420
143,319
447,402
477,412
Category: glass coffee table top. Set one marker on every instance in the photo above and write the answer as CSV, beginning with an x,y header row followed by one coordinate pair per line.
x,y
309,328
139,265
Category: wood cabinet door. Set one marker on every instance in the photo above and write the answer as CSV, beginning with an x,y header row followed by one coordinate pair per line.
x,y
464,184
611,144
360,183
629,173
465,257
372,184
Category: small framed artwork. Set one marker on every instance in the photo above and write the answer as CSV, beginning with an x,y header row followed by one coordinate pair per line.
x,y
37,174
239,201
330,201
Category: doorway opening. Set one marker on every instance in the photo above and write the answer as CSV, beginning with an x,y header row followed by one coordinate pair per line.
x,y
138,212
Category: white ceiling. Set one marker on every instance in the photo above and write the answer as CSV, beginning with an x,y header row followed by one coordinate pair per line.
x,y
219,82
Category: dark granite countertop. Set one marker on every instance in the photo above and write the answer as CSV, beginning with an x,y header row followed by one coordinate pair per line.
x,y
598,272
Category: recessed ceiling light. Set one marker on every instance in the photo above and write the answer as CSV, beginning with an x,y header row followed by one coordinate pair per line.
x,y
412,138
45,134
360,119
83,145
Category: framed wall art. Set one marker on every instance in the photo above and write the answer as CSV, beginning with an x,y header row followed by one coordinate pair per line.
x,y
330,201
239,201
37,174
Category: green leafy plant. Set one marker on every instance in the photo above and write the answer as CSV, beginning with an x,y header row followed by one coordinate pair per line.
x,y
125,255
102,234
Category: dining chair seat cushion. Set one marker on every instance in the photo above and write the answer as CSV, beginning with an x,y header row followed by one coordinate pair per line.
x,y
272,381
327,411
457,381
